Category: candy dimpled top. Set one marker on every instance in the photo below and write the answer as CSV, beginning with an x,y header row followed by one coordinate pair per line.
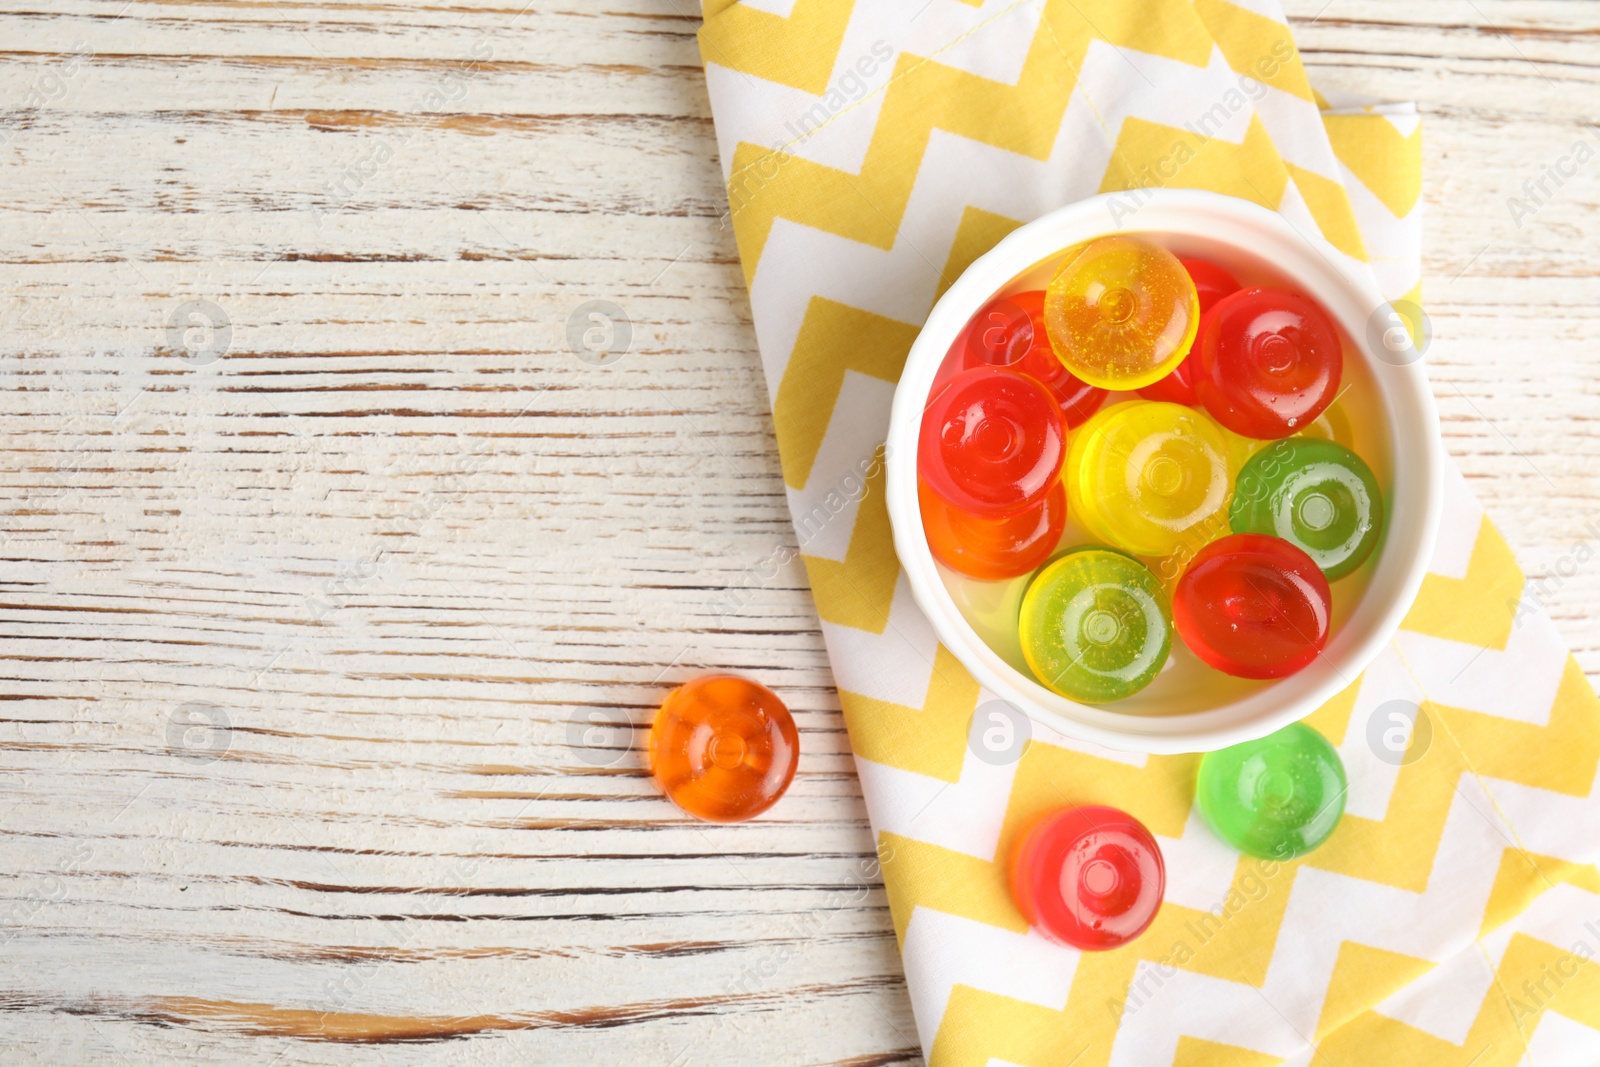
x,y
1091,877
1121,313
1149,476
992,442
1270,362
1253,606
723,748
1276,798
1095,625
1000,334
1317,495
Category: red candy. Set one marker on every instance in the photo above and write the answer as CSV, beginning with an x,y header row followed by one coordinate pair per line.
x,y
1091,877
1211,283
1009,332
1176,388
992,442
1253,606
1001,334
1269,362
1078,399
992,549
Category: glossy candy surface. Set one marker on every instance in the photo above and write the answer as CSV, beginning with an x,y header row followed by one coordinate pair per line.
x,y
1009,332
1078,399
1269,362
1121,313
723,748
1253,606
1091,877
1317,495
1178,386
992,549
1211,283
1276,798
992,442
1149,477
1001,334
1095,625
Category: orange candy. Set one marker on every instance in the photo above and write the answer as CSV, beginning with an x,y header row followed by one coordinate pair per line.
x,y
992,549
723,748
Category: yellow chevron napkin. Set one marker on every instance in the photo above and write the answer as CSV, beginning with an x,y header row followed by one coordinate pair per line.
x,y
872,150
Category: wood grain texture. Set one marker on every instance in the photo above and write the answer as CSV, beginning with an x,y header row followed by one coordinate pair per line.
x,y
399,537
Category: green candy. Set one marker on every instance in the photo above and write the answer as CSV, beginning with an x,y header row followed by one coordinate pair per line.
x,y
1317,495
1095,625
1276,798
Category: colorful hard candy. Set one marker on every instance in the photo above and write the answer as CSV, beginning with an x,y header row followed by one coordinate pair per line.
x,y
723,748
1009,332
1253,606
1276,798
1149,477
1078,399
1211,283
1317,495
1236,427
1121,313
1002,332
1269,362
1090,877
1095,625
993,549
992,442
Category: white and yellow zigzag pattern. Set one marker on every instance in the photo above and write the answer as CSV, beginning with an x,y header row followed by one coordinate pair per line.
x,y
872,151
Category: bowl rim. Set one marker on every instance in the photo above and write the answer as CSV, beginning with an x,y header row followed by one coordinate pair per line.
x,y
1347,291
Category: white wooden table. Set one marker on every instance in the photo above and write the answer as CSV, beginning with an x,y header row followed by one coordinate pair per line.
x,y
298,615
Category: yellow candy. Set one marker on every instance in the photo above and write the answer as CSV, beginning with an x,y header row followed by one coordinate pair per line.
x,y
1121,313
1150,477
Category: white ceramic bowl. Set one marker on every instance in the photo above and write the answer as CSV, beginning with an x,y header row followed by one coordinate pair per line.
x,y
1232,232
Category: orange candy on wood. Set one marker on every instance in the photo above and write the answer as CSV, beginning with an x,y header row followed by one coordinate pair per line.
x,y
723,748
